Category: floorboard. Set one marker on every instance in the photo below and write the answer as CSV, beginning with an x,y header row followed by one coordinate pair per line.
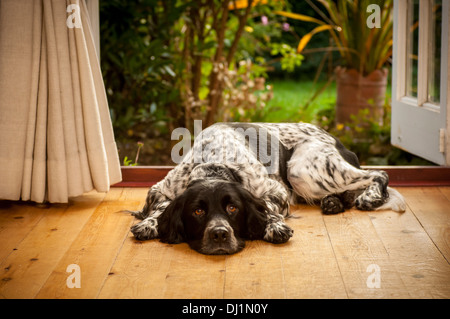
x,y
95,248
356,254
28,266
362,257
422,268
309,262
431,207
16,221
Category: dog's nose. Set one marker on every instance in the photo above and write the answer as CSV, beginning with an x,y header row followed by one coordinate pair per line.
x,y
219,234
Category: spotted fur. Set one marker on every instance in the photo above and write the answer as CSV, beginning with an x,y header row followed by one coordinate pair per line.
x,y
312,167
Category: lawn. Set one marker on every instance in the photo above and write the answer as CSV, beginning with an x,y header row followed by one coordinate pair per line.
x,y
290,99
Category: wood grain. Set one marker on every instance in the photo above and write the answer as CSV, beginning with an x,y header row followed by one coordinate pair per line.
x,y
309,263
95,248
357,246
328,256
25,270
422,268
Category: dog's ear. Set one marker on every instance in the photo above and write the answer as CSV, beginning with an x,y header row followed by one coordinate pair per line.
x,y
256,216
170,223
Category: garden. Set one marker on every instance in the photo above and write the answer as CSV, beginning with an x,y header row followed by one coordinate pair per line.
x,y
168,63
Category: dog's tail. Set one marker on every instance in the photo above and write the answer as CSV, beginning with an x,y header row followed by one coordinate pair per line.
x,y
395,202
139,214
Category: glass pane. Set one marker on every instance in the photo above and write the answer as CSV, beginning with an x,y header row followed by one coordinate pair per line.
x,y
434,66
412,43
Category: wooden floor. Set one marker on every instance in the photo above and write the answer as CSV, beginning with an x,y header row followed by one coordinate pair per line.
x,y
338,256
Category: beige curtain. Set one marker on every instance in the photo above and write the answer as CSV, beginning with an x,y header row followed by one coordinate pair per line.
x,y
56,137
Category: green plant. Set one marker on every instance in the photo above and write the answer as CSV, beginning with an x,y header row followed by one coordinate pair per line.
x,y
166,63
245,93
137,61
362,48
210,47
128,162
290,58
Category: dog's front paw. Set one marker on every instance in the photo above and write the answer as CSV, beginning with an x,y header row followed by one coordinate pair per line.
x,y
278,232
146,229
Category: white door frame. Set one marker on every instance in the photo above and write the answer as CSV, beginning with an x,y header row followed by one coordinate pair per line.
x,y
418,126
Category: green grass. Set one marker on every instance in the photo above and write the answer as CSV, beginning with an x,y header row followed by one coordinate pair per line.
x,y
290,98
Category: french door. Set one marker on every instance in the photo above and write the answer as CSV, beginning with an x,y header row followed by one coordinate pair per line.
x,y
420,83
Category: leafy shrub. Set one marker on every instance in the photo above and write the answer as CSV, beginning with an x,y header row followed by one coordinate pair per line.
x,y
137,63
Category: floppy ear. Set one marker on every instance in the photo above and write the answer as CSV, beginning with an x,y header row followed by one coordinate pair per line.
x,y
170,223
256,215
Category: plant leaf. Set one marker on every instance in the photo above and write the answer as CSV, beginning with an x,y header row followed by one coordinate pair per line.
x,y
304,41
298,16
332,10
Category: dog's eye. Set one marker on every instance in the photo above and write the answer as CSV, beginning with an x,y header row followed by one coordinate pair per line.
x,y
199,212
232,209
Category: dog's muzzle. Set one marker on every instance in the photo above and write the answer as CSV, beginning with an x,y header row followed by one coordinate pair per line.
x,y
219,239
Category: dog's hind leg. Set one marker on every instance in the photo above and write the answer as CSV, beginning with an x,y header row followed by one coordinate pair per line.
x,y
338,203
319,172
375,194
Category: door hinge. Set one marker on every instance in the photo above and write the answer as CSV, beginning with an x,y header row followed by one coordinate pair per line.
x,y
442,140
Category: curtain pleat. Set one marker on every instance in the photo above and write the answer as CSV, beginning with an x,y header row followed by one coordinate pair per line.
x,y
56,137
33,121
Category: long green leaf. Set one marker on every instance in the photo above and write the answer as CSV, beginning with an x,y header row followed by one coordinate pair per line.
x,y
298,16
361,47
305,39
332,10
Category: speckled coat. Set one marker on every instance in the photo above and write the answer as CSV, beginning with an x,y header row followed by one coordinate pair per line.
x,y
281,163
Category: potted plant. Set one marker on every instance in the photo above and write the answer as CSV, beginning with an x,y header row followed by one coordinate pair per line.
x,y
364,47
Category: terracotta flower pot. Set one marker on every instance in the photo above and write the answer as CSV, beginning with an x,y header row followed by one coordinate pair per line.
x,y
356,92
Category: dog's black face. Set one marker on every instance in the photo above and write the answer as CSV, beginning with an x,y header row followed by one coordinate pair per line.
x,y
214,217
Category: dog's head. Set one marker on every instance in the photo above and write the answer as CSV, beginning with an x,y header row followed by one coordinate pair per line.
x,y
214,217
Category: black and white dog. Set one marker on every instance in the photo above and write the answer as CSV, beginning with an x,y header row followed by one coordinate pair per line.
x,y
238,181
